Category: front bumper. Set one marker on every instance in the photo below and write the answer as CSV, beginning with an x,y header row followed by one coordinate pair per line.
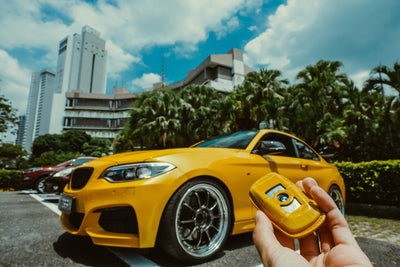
x,y
120,214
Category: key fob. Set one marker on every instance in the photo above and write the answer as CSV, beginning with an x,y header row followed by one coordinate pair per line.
x,y
286,205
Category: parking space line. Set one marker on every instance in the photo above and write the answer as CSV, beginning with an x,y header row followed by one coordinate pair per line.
x,y
52,206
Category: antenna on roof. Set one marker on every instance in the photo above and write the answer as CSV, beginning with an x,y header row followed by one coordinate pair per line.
x,y
162,70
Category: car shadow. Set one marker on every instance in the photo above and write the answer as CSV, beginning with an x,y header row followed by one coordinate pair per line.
x,y
80,249
233,243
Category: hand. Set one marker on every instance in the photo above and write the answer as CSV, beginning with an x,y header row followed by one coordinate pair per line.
x,y
331,245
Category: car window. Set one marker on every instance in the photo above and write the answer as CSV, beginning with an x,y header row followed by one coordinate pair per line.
x,y
304,151
238,140
284,139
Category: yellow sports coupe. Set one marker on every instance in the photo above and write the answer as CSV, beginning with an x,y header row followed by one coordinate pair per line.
x,y
186,200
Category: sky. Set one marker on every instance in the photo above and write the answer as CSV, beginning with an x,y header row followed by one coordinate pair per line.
x,y
286,35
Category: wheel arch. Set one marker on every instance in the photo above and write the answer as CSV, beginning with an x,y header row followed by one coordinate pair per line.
x,y
202,177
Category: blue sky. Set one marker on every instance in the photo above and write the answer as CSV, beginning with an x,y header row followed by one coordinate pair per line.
x,y
285,34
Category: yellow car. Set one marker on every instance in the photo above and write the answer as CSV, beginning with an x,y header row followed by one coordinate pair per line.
x,y
186,200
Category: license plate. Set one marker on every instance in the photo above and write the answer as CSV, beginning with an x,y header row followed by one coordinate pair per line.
x,y
66,203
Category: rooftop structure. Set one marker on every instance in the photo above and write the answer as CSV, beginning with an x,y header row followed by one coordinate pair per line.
x,y
221,71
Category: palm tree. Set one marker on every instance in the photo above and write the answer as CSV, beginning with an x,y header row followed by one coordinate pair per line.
x,y
154,120
386,76
197,112
260,98
319,92
389,77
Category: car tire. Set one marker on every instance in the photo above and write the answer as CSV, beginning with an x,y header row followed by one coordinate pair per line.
x,y
40,185
335,193
196,222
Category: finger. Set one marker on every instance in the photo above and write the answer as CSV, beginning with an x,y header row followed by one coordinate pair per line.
x,y
336,222
264,238
309,246
270,250
325,237
300,184
285,240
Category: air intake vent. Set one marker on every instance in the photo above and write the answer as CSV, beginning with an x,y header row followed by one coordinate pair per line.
x,y
80,177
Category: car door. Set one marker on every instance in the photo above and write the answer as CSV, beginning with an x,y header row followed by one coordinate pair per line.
x,y
313,165
286,163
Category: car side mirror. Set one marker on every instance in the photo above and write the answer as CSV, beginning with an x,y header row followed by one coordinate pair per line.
x,y
269,147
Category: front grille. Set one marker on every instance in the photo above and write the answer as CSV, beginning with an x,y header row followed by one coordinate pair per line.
x,y
80,177
119,220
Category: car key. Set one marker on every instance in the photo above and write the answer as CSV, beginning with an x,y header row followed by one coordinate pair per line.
x,y
286,205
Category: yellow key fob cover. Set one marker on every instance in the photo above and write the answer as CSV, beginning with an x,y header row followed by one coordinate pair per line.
x,y
286,205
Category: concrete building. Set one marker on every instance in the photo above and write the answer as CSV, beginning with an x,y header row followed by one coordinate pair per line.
x,y
102,115
221,71
99,115
81,65
21,130
39,107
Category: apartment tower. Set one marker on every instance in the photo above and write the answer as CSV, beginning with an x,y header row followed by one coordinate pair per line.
x,y
39,107
81,65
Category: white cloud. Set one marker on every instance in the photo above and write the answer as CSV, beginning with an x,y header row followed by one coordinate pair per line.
x,y
145,82
118,60
360,34
15,81
129,26
135,24
227,27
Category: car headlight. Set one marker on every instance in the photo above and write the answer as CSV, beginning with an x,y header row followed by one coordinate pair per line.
x,y
63,172
136,171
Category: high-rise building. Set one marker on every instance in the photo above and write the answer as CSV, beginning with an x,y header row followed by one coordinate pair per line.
x,y
81,65
21,130
39,106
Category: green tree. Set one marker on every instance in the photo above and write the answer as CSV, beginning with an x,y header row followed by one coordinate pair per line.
x,y
96,147
200,113
52,158
315,104
46,142
259,99
154,120
8,116
11,156
74,140
380,77
383,75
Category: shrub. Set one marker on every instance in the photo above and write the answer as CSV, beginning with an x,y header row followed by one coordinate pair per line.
x,y
374,182
10,179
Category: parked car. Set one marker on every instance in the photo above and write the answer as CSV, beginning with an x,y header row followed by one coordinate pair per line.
x,y
33,178
56,181
186,200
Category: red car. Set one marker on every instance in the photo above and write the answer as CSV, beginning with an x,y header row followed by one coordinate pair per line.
x,y
34,177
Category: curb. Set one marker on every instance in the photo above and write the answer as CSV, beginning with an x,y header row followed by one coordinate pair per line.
x,y
370,210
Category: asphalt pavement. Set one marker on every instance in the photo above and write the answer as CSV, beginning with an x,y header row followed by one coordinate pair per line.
x,y
31,235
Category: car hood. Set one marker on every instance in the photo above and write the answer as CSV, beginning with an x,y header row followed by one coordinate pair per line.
x,y
176,156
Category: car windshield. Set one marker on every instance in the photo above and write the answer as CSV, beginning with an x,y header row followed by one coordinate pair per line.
x,y
62,163
238,140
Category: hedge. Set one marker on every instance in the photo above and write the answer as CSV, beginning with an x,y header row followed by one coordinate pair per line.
x,y
374,182
10,179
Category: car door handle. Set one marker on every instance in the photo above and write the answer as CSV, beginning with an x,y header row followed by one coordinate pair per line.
x,y
304,166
